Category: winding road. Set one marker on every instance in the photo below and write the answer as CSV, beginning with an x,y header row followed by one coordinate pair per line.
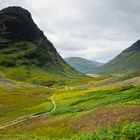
x,y
33,115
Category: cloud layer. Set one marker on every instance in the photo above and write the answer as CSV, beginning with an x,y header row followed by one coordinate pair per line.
x,y
94,29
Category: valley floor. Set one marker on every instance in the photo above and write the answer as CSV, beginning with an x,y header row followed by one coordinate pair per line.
x,y
91,108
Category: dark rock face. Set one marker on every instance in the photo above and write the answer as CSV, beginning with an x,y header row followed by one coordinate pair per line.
x,y
16,24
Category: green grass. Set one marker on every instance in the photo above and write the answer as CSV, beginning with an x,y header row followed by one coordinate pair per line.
x,y
120,131
34,62
70,103
92,100
123,131
21,102
127,62
30,74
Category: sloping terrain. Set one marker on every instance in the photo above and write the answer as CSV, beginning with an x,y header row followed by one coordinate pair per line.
x,y
25,53
81,64
84,124
81,111
127,61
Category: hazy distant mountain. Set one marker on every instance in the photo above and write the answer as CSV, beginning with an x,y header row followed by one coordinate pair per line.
x,y
127,61
96,63
81,64
25,53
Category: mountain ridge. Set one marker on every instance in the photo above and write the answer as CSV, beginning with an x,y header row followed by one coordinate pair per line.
x,y
126,61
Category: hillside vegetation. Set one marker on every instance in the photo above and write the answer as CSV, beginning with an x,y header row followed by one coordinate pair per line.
x,y
25,53
86,110
127,61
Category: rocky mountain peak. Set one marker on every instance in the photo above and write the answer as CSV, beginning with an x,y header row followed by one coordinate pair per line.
x,y
16,24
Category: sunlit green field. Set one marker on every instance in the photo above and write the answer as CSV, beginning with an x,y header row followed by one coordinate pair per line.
x,y
97,99
88,108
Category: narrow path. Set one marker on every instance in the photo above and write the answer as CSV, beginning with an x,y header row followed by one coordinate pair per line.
x,y
54,104
32,116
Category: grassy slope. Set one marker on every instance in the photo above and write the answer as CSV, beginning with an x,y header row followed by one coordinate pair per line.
x,y
126,63
15,64
93,100
73,104
16,103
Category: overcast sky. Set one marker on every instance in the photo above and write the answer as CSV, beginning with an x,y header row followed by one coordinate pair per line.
x,y
93,29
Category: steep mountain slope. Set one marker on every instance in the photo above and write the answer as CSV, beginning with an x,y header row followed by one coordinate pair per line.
x,y
127,61
25,53
81,64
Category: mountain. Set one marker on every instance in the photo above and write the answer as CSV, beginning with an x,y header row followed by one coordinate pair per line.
x,y
127,61
96,63
25,53
81,64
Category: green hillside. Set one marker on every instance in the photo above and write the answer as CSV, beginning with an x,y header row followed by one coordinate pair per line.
x,y
81,64
127,61
25,53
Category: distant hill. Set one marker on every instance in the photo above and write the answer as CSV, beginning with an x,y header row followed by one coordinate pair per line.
x,y
81,64
25,53
96,63
127,61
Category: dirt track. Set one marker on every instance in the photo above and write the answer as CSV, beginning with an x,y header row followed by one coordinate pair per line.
x,y
54,104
